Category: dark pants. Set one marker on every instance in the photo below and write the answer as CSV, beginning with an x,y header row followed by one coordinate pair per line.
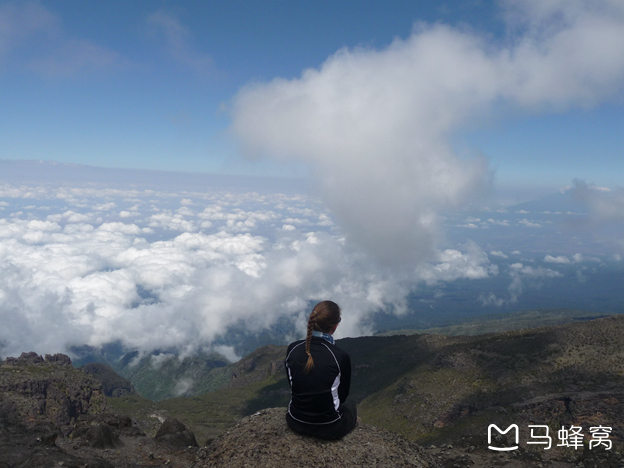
x,y
334,431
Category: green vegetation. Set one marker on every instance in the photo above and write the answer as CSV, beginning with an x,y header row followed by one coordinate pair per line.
x,y
162,376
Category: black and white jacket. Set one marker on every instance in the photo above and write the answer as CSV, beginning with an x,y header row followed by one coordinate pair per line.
x,y
316,397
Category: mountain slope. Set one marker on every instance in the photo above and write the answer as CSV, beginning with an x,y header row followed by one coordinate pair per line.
x,y
571,374
439,389
163,374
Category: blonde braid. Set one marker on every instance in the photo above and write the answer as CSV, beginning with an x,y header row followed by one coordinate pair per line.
x,y
311,324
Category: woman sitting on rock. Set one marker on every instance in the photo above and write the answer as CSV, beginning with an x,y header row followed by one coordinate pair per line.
x,y
320,376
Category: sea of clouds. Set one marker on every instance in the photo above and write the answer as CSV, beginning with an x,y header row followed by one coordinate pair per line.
x,y
178,267
158,269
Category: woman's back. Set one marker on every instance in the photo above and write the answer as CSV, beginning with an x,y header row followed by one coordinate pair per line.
x,y
316,395
319,373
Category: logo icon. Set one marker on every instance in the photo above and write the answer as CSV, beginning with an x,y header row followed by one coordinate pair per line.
x,y
501,432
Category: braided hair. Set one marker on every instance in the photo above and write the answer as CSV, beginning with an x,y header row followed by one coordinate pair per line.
x,y
323,318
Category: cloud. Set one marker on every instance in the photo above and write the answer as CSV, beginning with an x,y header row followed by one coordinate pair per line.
x,y
605,205
498,222
521,273
576,258
521,277
104,206
376,125
32,38
18,22
605,212
562,259
452,264
530,224
490,299
182,386
176,39
228,352
498,253
72,57
79,274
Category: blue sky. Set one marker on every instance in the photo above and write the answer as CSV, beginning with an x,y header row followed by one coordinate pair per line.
x,y
151,84
404,135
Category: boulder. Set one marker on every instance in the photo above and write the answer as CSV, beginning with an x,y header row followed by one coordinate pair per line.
x,y
173,432
99,436
264,439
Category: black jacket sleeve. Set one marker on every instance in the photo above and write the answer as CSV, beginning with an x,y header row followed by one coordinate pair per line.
x,y
345,378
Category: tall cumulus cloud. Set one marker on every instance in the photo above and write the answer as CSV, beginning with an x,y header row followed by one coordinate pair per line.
x,y
377,125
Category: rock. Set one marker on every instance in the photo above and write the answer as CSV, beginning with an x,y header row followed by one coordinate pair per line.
x,y
49,438
99,436
264,439
61,359
29,358
119,425
34,447
49,391
173,432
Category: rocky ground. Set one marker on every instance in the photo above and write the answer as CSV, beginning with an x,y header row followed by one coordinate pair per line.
x,y
52,415
263,439
464,455
102,441
269,442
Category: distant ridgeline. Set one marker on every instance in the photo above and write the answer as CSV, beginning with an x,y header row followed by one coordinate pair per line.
x,y
503,322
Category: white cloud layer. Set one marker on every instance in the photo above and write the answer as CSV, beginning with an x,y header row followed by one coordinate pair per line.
x,y
75,271
376,125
